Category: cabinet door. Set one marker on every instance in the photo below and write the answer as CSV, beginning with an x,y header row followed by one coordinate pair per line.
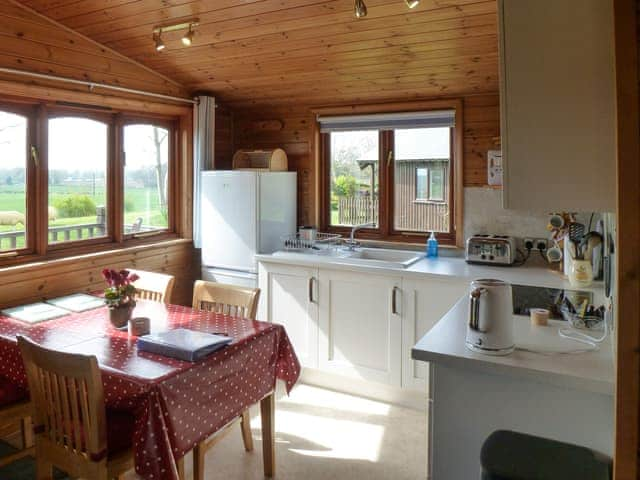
x,y
557,98
289,296
360,326
425,303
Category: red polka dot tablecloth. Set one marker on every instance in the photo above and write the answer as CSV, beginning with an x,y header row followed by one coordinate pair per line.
x,y
177,404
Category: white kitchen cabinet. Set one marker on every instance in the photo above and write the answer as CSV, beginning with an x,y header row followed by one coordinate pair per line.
x,y
289,297
360,326
425,302
557,98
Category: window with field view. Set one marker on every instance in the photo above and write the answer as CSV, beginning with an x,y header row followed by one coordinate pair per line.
x,y
77,179
108,176
146,178
13,180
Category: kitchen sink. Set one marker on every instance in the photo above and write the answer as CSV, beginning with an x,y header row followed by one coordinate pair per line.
x,y
383,258
375,257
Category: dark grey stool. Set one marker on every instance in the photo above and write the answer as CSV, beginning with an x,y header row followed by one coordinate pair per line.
x,y
507,455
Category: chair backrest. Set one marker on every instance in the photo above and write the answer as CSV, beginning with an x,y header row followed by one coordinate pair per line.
x,y
68,399
227,299
157,287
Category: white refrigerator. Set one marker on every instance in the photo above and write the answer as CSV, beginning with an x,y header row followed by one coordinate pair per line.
x,y
243,213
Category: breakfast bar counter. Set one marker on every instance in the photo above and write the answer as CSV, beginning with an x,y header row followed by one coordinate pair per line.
x,y
536,390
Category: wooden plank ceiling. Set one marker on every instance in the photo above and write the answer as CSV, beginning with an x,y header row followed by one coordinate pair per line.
x,y
287,52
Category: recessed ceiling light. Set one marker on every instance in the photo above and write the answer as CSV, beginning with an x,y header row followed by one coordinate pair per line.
x,y
412,3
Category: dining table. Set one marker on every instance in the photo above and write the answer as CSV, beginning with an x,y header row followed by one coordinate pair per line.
x,y
176,404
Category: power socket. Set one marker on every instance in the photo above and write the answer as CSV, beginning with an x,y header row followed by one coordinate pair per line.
x,y
535,244
541,244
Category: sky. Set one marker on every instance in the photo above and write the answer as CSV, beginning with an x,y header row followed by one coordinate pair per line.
x,y
75,144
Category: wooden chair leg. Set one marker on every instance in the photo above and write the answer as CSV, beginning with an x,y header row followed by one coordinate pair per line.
x,y
27,433
267,413
245,426
180,466
44,470
199,453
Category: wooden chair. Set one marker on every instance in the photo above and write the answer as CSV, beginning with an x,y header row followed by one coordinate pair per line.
x,y
15,406
229,300
157,287
73,430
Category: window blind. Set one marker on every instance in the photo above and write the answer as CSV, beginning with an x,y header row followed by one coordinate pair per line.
x,y
387,121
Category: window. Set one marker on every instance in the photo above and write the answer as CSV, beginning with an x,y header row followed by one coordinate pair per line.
x,y
354,178
146,178
78,156
394,171
14,134
75,177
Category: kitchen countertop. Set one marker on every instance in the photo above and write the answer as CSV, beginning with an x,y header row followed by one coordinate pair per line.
x,y
441,266
591,371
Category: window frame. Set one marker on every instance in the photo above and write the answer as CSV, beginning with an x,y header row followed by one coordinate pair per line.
x,y
171,127
427,198
386,231
29,112
38,113
58,112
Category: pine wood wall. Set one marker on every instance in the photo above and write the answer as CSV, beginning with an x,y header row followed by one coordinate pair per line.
x,y
31,42
251,130
36,281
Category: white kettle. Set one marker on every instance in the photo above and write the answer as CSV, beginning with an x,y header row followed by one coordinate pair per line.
x,y
490,326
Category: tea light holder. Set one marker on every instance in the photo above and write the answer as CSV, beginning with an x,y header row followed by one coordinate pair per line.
x,y
139,326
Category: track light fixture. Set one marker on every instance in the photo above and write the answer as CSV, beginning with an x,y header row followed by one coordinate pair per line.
x,y
187,38
360,8
157,38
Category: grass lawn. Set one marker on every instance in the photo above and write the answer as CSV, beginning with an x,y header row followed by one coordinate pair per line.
x,y
139,202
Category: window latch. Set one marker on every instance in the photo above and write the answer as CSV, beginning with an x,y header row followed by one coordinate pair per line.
x,y
389,158
34,156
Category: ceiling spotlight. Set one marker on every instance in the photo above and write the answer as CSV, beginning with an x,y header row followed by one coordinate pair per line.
x,y
412,3
158,41
187,40
360,9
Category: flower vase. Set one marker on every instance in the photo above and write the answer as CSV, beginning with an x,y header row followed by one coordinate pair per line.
x,y
120,315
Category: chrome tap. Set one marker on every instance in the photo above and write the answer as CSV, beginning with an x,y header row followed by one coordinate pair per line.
x,y
351,243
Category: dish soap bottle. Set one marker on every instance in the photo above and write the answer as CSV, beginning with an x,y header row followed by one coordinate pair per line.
x,y
432,246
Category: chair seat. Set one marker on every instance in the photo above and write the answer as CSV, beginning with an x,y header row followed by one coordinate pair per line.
x,y
120,427
508,455
10,392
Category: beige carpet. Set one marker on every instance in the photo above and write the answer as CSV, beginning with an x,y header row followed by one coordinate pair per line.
x,y
325,435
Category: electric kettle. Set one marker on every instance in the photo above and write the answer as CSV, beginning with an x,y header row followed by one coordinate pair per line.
x,y
490,325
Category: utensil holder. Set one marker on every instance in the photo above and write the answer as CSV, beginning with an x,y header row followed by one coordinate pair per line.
x,y
580,273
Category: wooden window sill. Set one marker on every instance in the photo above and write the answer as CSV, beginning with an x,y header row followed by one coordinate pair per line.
x,y
34,262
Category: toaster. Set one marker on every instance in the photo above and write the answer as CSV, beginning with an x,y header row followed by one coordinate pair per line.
x,y
491,249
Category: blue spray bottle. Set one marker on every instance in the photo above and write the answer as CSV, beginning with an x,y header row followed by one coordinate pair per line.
x,y
432,246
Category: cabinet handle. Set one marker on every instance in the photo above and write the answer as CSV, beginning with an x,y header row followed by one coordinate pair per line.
x,y
311,289
394,304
